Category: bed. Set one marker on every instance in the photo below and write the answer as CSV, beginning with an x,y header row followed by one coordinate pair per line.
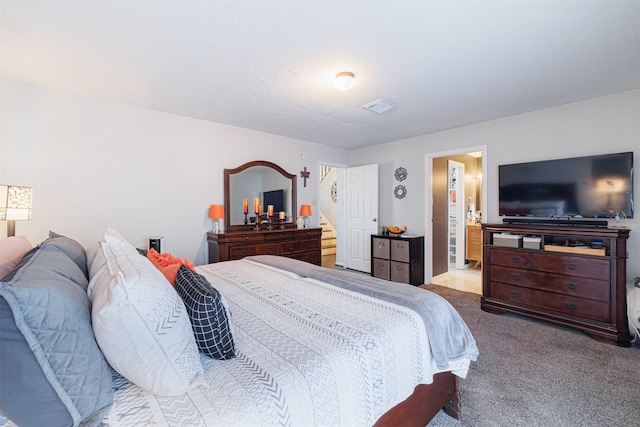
x,y
313,346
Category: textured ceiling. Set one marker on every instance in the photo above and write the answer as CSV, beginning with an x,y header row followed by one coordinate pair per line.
x,y
268,65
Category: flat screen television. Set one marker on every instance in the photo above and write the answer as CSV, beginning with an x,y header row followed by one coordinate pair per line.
x,y
598,186
275,198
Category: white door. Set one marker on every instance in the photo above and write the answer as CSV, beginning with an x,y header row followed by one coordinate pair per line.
x,y
457,221
361,188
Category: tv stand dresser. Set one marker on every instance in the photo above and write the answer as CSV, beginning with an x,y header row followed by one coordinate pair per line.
x,y
571,275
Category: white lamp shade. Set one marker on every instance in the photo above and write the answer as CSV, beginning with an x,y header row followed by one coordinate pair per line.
x,y
15,202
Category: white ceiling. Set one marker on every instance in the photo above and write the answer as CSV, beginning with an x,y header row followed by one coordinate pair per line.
x,y
268,65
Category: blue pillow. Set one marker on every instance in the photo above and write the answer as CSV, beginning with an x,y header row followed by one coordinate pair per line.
x,y
52,371
208,312
71,248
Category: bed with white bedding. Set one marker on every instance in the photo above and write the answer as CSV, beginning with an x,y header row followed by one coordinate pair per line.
x,y
307,352
101,337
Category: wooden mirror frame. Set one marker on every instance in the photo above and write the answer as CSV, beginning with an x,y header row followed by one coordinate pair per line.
x,y
228,227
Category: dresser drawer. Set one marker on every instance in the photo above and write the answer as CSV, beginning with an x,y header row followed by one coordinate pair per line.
x,y
380,268
298,246
279,235
267,249
568,285
243,238
239,252
400,251
400,272
580,307
563,264
312,257
381,248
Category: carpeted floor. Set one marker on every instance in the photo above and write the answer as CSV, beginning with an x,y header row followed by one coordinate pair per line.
x,y
535,373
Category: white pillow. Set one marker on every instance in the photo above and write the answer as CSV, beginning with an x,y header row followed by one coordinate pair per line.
x,y
141,323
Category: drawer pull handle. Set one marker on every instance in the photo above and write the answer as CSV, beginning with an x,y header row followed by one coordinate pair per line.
x,y
381,264
399,245
572,306
572,286
380,244
290,247
516,259
269,249
246,238
516,276
571,265
515,294
399,268
243,252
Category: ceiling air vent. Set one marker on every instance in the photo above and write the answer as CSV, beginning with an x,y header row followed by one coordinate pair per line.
x,y
379,106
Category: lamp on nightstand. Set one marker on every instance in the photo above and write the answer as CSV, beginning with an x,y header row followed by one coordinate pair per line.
x,y
216,212
15,205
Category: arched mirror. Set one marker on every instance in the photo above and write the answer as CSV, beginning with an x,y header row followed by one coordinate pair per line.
x,y
261,180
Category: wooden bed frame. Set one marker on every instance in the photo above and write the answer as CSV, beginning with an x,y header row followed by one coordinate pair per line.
x,y
425,402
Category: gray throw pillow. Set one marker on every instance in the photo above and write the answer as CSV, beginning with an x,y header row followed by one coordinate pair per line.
x,y
71,248
52,371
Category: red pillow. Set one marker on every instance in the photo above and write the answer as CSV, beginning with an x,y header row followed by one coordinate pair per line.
x,y
168,264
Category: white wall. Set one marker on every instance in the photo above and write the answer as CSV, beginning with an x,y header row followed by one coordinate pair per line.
x,y
604,125
95,164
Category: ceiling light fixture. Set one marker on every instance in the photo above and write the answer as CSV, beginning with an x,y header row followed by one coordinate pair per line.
x,y
345,80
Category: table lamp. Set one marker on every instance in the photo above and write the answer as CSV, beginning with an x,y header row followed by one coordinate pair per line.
x,y
216,212
305,212
15,205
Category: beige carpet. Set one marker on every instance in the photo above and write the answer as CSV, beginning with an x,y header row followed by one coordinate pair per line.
x,y
535,373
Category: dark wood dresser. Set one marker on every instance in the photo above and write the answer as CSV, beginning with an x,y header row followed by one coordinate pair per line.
x,y
569,275
399,259
300,243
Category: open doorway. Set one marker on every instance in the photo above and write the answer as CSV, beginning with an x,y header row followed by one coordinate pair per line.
x,y
331,206
447,223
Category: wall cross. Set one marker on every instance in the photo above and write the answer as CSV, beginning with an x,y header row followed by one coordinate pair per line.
x,y
305,174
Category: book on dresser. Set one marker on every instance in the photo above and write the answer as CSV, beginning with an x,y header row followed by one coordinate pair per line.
x,y
571,275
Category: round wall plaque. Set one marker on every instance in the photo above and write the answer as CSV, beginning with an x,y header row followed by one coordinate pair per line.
x,y
400,191
401,174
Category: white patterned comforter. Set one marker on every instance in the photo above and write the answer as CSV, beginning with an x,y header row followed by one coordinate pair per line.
x,y
308,354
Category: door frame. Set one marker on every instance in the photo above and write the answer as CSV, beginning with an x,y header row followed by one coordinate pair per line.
x,y
341,211
428,198
460,213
